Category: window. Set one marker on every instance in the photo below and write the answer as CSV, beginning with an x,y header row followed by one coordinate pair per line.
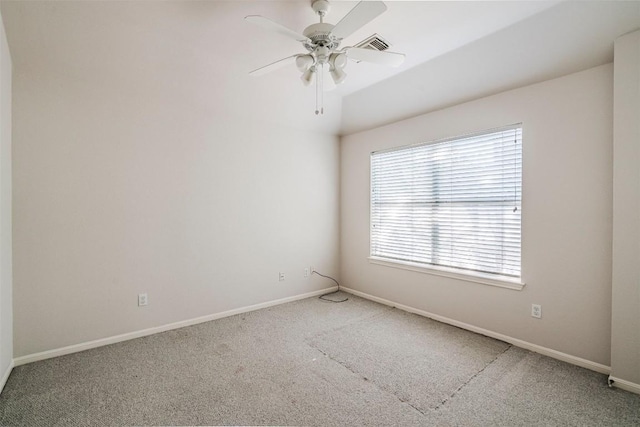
x,y
451,205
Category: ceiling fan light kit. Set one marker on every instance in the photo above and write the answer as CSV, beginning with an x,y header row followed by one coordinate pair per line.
x,y
304,62
307,76
322,41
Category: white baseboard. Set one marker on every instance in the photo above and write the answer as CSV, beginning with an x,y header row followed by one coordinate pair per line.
x,y
145,332
624,384
603,369
5,375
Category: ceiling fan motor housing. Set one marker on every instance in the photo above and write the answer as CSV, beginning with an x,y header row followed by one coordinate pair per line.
x,y
320,35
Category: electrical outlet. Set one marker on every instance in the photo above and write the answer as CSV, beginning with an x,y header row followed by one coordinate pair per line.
x,y
142,300
311,270
536,311
281,277
306,272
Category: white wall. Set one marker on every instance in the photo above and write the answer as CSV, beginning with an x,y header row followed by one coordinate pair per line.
x,y
567,215
121,190
6,312
625,334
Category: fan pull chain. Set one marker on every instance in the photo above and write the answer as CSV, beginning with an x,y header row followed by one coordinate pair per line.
x,y
319,90
322,89
317,85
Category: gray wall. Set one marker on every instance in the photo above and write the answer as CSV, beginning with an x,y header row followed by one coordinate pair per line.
x,y
6,311
120,190
625,334
566,219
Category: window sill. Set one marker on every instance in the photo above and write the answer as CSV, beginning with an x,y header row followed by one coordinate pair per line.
x,y
485,279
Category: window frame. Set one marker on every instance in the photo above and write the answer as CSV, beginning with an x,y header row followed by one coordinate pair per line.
x,y
491,279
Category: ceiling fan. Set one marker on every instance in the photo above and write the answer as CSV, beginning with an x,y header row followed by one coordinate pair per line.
x,y
322,42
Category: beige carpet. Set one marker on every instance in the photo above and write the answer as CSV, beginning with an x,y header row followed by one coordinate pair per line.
x,y
312,362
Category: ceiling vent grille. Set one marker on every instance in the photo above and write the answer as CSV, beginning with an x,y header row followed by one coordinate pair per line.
x,y
375,42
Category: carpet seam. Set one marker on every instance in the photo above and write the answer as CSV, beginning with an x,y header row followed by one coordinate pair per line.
x,y
446,399
366,379
349,325
310,343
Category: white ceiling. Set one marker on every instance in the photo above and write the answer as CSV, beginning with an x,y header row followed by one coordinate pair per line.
x,y
200,52
421,30
567,38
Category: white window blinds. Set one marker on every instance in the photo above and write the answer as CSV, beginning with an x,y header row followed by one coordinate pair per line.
x,y
453,203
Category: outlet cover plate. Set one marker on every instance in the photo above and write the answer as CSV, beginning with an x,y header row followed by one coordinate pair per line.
x,y
536,311
142,300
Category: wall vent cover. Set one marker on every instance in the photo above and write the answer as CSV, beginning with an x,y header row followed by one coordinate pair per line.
x,y
375,42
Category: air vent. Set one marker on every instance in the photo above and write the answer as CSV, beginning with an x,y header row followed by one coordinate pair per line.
x,y
375,42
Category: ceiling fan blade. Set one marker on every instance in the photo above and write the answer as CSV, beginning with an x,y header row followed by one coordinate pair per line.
x,y
363,13
274,26
369,55
273,66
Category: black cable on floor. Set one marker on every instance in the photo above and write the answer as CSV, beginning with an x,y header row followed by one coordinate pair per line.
x,y
322,297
